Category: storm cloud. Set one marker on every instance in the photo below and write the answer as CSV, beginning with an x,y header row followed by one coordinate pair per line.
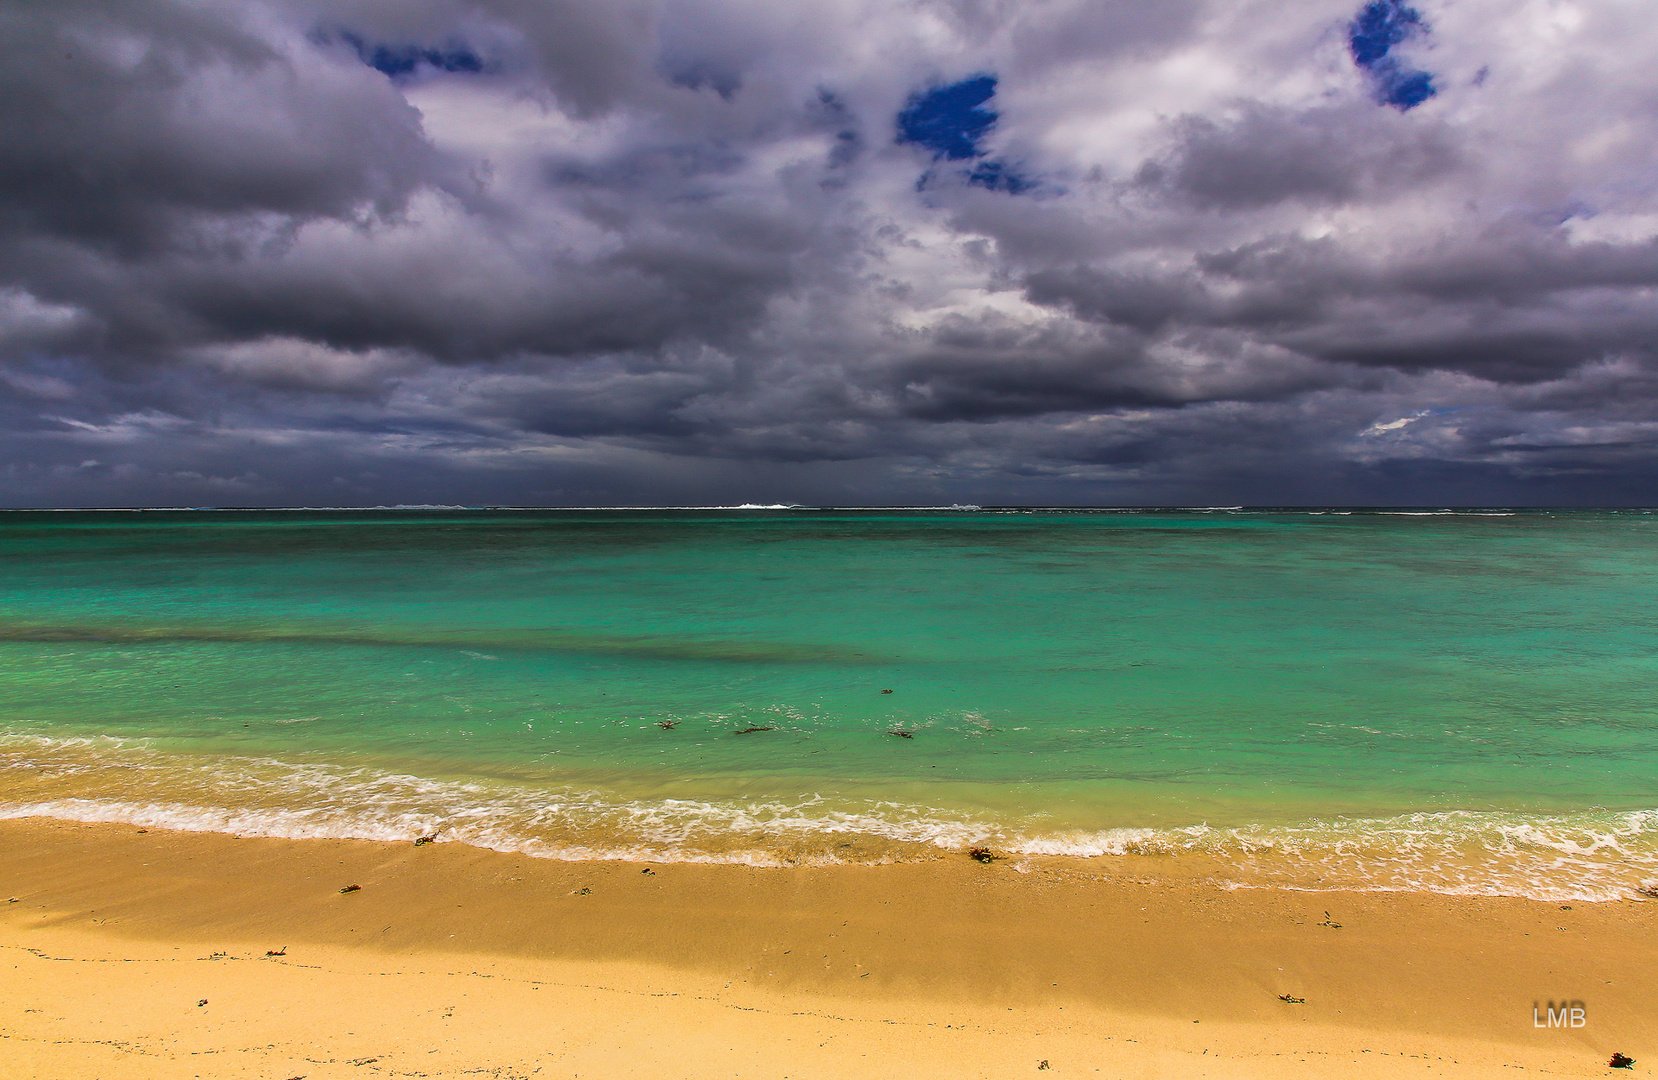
x,y
563,252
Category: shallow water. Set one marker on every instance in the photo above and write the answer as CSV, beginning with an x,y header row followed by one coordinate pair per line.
x,y
1450,701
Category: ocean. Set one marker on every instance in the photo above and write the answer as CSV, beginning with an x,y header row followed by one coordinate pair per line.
x,y
1453,701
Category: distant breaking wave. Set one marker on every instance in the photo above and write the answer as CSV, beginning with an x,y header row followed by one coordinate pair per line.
x,y
1384,511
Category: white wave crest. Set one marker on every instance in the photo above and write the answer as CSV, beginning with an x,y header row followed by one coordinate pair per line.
x,y
1589,855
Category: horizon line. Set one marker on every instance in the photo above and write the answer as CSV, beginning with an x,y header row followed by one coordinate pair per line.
x,y
1427,508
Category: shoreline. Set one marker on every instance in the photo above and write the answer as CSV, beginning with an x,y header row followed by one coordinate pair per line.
x,y
1566,856
948,967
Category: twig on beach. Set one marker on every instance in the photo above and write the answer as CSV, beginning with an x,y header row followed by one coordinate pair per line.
x,y
1327,922
351,888
277,952
752,730
981,854
1292,999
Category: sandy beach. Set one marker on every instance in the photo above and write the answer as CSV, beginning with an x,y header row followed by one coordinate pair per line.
x,y
130,953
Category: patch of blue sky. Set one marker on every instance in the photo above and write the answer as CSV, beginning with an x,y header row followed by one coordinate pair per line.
x,y
403,61
997,176
1379,28
951,121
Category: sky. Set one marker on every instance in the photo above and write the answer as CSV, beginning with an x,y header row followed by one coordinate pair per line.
x,y
690,252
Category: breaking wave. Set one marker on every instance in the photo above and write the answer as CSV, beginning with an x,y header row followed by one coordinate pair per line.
x,y
1588,856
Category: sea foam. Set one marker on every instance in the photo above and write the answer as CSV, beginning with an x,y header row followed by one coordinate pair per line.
x,y
1586,856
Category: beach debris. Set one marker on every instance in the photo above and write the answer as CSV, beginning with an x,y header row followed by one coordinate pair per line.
x,y
13,900
752,730
583,891
429,838
981,854
143,830
648,870
200,1003
1649,890
1291,999
1329,923
351,888
1042,1065
363,1061
901,733
1620,1061
667,725
277,952
886,691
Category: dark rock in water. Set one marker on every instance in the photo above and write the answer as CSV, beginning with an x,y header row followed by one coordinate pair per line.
x,y
667,725
751,730
902,734
886,691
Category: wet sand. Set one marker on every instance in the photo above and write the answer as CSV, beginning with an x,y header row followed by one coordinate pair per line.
x,y
454,961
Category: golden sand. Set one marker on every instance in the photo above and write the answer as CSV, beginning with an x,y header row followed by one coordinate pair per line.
x,y
145,954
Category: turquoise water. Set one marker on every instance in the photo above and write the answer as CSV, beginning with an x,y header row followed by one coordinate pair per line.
x,y
1459,701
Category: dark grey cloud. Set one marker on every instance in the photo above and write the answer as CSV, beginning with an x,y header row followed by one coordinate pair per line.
x,y
135,129
1265,155
568,251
